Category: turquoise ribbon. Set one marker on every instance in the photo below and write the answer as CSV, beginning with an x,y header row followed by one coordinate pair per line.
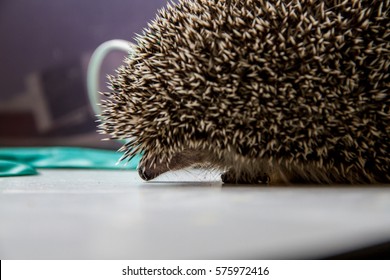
x,y
24,161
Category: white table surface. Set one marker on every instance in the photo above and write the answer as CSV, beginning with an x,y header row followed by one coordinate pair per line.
x,y
94,214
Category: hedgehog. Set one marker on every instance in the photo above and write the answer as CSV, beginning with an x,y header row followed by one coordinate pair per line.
x,y
266,91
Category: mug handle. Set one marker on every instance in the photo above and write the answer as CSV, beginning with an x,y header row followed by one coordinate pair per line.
x,y
95,64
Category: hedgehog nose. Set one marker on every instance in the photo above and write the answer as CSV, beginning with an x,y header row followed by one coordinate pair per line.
x,y
146,174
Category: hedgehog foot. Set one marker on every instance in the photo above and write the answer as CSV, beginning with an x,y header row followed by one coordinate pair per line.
x,y
231,177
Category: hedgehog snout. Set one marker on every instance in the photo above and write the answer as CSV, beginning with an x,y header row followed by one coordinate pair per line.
x,y
147,174
148,171
153,166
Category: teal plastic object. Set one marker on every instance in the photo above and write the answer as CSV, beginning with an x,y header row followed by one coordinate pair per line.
x,y
23,161
12,168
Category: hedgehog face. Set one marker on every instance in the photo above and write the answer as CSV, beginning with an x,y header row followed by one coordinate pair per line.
x,y
153,166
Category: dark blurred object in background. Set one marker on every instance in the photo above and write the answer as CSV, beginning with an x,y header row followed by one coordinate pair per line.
x,y
45,47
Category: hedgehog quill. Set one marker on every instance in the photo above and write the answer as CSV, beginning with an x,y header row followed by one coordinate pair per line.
x,y
284,91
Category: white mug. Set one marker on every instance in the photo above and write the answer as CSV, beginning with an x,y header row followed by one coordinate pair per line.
x,y
95,64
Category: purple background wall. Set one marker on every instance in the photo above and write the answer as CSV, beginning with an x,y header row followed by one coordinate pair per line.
x,y
44,51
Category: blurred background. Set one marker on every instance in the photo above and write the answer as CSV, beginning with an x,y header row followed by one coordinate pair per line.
x,y
45,47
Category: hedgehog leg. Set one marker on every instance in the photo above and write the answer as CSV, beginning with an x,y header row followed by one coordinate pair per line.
x,y
233,177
